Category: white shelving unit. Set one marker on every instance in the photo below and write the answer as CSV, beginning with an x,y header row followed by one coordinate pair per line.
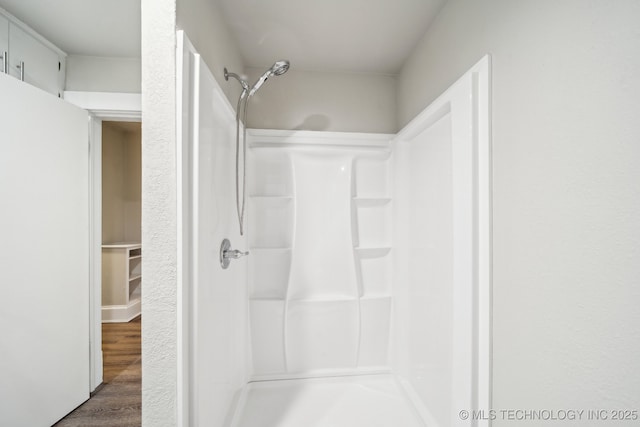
x,y
121,281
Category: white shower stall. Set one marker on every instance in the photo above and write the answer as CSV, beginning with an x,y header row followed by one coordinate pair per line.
x,y
365,298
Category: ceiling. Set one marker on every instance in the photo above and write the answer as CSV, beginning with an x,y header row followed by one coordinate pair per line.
x,y
83,27
371,36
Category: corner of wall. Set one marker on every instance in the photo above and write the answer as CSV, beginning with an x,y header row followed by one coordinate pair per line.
x,y
159,213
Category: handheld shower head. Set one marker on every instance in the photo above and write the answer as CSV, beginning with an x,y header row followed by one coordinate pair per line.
x,y
280,67
277,69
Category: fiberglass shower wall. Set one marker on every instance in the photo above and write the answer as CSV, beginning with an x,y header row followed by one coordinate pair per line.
x,y
368,261
320,241
214,321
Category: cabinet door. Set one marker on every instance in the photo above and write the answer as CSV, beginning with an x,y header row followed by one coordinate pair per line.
x,y
41,64
4,43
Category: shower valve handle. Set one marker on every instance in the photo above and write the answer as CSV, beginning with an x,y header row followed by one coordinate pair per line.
x,y
235,254
227,254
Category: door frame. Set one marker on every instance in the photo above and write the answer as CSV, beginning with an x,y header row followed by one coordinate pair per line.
x,y
102,106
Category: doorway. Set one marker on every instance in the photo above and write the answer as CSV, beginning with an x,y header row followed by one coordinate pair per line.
x,y
121,260
117,262
102,107
121,221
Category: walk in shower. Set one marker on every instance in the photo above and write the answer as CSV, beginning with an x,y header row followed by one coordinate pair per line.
x,y
364,298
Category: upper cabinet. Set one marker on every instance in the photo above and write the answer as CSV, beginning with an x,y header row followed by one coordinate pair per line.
x,y
29,57
4,44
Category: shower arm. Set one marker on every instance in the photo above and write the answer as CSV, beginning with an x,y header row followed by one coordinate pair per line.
x,y
243,82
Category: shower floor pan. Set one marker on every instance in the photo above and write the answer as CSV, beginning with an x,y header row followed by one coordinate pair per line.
x,y
350,401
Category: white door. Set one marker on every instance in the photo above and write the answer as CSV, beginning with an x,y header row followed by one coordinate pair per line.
x,y
44,256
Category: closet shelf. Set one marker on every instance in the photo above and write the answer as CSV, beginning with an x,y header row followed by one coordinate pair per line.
x,y
121,281
373,252
266,299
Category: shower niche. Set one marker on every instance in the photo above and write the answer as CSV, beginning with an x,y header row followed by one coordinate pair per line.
x,y
364,300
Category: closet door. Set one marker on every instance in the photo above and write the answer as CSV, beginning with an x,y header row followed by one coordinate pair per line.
x,y
44,256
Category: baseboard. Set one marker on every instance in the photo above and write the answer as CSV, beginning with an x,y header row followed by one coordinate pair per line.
x,y
121,313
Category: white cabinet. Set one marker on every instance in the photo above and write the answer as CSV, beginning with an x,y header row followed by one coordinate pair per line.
x,y
31,58
121,281
4,44
33,62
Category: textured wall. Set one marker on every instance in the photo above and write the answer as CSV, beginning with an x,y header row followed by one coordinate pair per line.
x,y
159,216
565,151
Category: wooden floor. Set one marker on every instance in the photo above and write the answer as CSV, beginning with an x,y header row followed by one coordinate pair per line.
x,y
118,402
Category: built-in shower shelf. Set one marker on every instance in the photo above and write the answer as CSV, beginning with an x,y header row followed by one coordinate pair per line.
x,y
373,252
324,299
263,197
321,299
376,296
267,299
274,249
371,201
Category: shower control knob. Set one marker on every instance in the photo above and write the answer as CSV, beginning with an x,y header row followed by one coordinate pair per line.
x,y
227,254
235,254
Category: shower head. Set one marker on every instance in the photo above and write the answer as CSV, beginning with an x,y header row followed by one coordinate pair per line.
x,y
278,69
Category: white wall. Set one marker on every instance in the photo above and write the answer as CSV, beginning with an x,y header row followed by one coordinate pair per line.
x,y
313,100
133,185
102,74
565,169
300,99
208,32
112,184
121,183
159,214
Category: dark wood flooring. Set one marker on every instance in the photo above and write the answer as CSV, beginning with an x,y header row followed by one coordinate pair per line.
x,y
118,402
